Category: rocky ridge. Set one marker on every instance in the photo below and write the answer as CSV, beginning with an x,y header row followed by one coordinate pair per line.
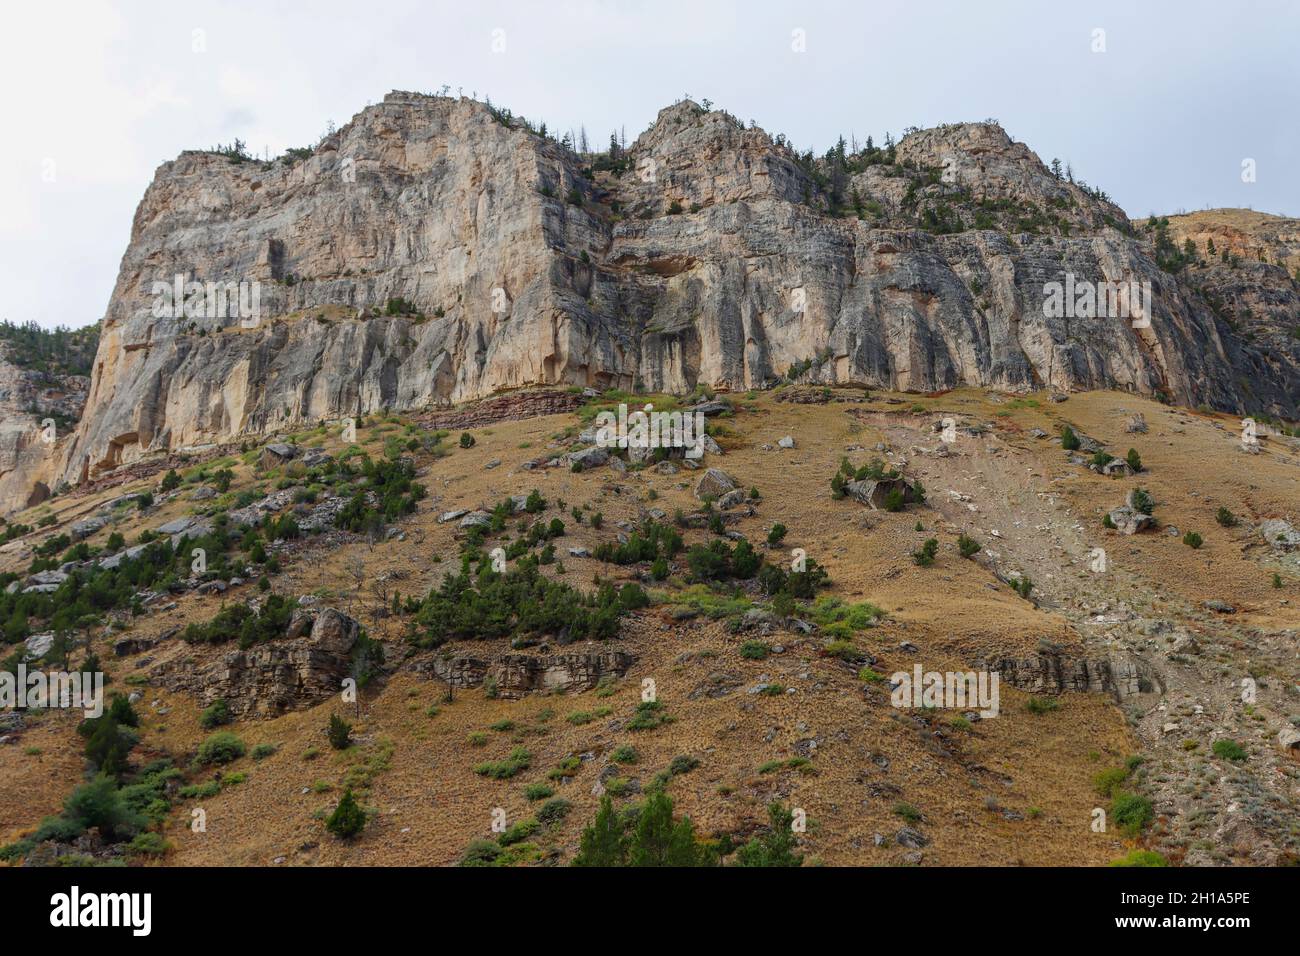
x,y
435,250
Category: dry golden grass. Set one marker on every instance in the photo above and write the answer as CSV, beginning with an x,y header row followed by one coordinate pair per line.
x,y
869,757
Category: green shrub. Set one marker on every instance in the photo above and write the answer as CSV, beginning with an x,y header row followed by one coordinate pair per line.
x,y
907,812
1069,440
776,846
339,733
1229,750
968,546
481,853
519,760
200,791
1192,540
220,748
776,535
519,832
217,714
521,603
553,811
1042,705
649,715
348,819
625,755
99,804
1131,812
58,829
1140,858
149,843
1107,781
1225,518
924,555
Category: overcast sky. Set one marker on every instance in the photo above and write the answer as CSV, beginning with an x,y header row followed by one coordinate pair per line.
x,y
97,95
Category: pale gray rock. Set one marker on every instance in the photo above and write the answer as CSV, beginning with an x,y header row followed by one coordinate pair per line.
x,y
714,483
86,527
663,302
1129,521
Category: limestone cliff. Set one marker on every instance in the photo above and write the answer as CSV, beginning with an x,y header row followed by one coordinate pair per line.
x,y
436,249
36,406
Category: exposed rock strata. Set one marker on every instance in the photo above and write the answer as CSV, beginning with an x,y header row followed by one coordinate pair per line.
x,y
714,259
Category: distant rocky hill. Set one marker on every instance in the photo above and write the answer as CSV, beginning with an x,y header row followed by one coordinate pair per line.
x,y
438,249
1247,267
44,376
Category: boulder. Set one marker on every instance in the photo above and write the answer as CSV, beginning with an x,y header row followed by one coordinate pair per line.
x,y
38,645
876,493
1130,521
591,457
786,442
179,526
114,560
1279,534
712,407
1089,445
732,499
132,644
87,527
476,519
910,837
48,577
1289,740
276,454
714,483
1136,425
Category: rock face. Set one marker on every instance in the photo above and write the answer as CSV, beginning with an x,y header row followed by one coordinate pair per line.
x,y
434,251
518,674
269,679
27,399
1052,673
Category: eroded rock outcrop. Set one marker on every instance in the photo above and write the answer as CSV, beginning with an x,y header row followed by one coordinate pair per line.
x,y
268,679
1052,672
433,251
515,675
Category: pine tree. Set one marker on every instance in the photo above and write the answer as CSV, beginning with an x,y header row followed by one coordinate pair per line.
x,y
603,843
348,819
661,841
776,846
